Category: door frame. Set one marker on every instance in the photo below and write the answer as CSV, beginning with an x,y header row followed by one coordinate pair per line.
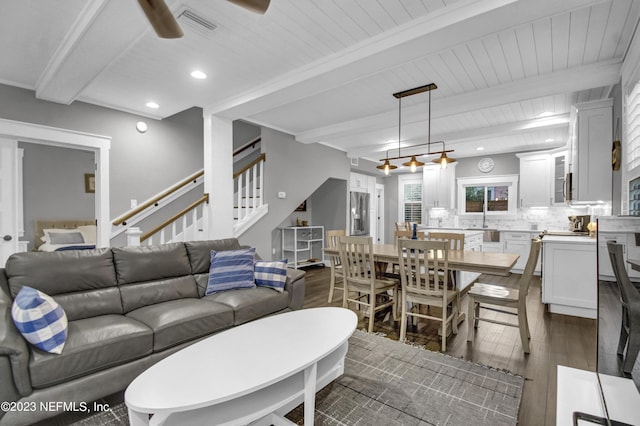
x,y
380,222
65,138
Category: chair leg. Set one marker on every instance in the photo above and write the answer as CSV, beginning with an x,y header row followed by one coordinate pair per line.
x,y
332,285
372,315
470,318
456,314
477,314
403,319
632,352
522,325
624,336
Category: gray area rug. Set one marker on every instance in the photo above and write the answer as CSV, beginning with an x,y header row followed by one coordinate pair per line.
x,y
390,383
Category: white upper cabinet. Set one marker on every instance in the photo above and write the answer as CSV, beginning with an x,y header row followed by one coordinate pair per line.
x,y
591,136
438,186
559,161
535,185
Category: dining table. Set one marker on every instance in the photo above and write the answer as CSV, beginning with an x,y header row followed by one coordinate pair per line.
x,y
459,260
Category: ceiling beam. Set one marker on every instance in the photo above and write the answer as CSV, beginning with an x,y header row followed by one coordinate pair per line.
x,y
77,63
447,27
574,79
558,120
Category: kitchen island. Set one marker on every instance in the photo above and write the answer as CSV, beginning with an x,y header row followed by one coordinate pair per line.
x,y
569,282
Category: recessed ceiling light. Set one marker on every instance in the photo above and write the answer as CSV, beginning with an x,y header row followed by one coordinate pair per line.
x,y
545,114
152,105
198,75
549,140
480,148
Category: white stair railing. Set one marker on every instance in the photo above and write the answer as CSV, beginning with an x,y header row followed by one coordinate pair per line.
x,y
248,185
185,225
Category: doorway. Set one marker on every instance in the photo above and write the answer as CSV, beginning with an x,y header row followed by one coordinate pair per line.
x,y
14,131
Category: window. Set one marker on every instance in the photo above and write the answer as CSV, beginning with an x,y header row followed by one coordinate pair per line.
x,y
495,195
410,191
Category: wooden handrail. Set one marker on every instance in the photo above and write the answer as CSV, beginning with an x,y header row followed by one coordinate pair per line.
x,y
248,145
262,157
203,199
157,198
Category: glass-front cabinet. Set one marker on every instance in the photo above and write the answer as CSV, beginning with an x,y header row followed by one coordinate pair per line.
x,y
559,174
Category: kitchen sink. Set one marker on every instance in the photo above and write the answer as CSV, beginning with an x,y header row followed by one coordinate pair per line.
x,y
491,236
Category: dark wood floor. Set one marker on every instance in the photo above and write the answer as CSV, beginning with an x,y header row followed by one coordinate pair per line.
x,y
555,340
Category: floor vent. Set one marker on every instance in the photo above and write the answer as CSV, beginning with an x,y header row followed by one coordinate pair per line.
x,y
203,26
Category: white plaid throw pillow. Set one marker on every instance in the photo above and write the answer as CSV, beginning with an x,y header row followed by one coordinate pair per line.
x,y
40,319
271,274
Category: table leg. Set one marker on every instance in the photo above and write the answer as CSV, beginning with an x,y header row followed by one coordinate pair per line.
x,y
137,419
310,376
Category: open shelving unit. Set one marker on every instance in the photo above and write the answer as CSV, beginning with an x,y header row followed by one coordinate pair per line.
x,y
303,245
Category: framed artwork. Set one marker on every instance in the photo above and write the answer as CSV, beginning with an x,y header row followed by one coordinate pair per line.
x,y
302,207
89,183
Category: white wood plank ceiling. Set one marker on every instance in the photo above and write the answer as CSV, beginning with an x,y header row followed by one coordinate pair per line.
x,y
324,70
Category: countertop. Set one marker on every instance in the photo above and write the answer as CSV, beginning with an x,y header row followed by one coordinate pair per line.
x,y
568,239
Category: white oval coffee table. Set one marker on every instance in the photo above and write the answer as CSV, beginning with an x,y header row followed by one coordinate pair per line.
x,y
256,372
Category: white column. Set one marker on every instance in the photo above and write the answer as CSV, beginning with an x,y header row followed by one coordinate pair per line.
x,y
218,175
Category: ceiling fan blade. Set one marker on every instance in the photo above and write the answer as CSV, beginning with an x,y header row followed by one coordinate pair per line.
x,y
256,6
161,18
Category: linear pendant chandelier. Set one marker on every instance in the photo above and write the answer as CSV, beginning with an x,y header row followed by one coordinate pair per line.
x,y
413,163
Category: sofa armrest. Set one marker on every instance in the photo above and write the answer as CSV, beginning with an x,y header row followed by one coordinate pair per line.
x,y
295,287
14,348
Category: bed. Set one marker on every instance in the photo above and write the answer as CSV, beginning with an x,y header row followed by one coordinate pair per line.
x,y
59,235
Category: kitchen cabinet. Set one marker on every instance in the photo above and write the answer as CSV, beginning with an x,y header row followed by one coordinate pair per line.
x,y
302,245
493,247
535,186
558,176
438,186
519,242
590,138
569,284
358,182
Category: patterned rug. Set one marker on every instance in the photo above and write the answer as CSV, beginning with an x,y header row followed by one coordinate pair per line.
x,y
390,383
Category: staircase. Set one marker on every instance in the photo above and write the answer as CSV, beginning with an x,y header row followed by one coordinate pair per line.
x,y
188,224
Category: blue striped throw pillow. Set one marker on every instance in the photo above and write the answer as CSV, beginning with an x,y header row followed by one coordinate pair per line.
x,y
271,274
40,319
231,269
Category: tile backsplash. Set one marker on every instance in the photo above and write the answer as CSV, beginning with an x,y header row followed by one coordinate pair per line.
x,y
552,218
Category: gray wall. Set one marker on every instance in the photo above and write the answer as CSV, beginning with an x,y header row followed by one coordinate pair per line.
x,y
53,180
504,164
141,165
293,168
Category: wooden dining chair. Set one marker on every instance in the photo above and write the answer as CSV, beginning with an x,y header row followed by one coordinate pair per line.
x,y
403,226
336,264
361,286
420,287
630,301
406,235
490,294
455,241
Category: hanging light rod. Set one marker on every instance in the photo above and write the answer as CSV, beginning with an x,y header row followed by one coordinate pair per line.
x,y
414,163
426,88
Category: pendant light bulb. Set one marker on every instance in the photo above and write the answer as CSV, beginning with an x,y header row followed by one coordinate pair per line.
x,y
413,167
443,164
386,169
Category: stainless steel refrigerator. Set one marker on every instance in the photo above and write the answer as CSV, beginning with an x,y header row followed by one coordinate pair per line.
x,y
359,213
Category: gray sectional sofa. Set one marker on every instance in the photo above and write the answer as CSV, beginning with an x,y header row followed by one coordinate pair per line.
x,y
127,309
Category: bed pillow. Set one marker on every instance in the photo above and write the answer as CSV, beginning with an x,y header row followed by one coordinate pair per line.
x,y
57,238
89,232
271,274
40,320
231,269
46,237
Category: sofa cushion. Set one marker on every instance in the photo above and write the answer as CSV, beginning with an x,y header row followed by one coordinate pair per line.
x,y
200,252
40,320
93,344
250,304
141,294
231,269
179,321
83,282
147,263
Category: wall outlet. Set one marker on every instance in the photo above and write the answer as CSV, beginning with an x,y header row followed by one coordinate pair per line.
x,y
134,204
273,251
282,194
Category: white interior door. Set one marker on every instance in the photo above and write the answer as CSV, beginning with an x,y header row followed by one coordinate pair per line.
x,y
9,199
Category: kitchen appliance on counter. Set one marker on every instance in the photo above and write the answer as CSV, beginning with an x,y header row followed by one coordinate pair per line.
x,y
359,213
579,223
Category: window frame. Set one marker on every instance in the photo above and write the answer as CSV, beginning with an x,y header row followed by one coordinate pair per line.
x,y
506,180
409,179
